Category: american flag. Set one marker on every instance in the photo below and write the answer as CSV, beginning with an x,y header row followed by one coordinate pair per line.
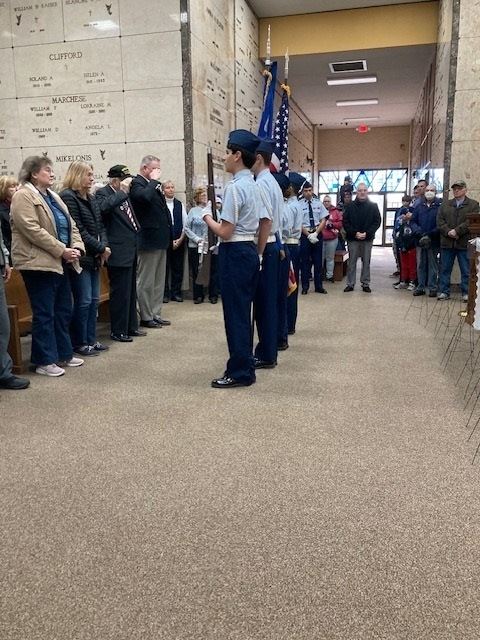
x,y
279,161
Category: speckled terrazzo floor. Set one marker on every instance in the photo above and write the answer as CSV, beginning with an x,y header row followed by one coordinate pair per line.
x,y
333,500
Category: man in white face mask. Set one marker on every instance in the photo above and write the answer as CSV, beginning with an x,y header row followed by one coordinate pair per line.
x,y
424,222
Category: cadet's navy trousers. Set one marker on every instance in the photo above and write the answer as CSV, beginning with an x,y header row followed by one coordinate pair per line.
x,y
311,254
282,331
238,270
265,307
292,300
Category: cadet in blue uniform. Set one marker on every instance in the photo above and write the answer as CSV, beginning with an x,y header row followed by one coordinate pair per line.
x,y
238,257
292,240
265,306
311,246
282,294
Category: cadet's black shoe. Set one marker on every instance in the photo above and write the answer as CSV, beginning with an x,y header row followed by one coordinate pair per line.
x,y
348,288
290,333
283,346
304,292
322,290
226,382
120,337
137,334
264,364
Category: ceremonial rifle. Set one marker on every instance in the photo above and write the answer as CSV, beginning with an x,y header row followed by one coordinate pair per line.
x,y
203,277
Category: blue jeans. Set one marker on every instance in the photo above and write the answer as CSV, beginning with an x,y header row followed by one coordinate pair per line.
x,y
447,258
86,295
51,301
427,268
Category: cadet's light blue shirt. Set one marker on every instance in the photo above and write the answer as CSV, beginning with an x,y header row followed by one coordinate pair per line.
x,y
319,212
195,227
242,204
294,219
274,197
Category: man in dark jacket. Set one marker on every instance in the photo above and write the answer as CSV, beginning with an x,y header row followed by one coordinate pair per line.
x,y
361,219
424,224
154,240
122,229
453,225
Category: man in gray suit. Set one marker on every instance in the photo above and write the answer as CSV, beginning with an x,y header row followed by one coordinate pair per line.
x,y
7,379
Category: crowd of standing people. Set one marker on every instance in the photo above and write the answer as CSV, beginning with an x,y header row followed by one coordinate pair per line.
x,y
272,237
428,236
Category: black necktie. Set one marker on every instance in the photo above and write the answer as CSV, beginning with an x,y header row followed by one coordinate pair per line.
x,y
310,214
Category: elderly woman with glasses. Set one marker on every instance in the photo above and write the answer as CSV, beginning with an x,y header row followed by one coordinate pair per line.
x,y
46,244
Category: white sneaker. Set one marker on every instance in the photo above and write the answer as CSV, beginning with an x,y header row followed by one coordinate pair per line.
x,y
465,297
400,285
73,362
51,370
411,286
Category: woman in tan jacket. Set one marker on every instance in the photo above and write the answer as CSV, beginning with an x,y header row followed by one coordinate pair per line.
x,y
45,243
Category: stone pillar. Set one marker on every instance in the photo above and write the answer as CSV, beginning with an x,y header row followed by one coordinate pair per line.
x,y
463,116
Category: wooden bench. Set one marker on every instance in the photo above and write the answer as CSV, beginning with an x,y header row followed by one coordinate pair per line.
x,y
340,266
20,313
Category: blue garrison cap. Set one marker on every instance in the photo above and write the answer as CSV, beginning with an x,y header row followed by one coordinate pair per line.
x,y
298,181
282,180
266,146
244,139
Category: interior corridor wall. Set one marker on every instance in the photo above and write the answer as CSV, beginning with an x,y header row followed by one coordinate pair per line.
x,y
381,147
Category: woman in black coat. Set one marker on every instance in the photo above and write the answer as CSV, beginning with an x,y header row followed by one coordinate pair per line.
x,y
85,286
8,186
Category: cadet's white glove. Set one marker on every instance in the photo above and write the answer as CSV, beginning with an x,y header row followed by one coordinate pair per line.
x,y
313,238
207,210
214,249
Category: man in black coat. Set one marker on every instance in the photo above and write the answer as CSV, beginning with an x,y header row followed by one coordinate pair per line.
x,y
361,219
122,230
154,240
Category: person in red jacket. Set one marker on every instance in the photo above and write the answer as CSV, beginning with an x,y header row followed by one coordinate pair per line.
x,y
330,236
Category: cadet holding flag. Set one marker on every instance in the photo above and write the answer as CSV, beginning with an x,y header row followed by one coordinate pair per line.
x,y
238,257
292,240
284,264
265,307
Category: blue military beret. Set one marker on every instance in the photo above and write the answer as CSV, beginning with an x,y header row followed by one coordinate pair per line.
x,y
298,181
244,139
282,179
266,146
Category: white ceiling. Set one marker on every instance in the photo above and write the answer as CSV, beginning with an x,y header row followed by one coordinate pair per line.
x,y
270,8
400,71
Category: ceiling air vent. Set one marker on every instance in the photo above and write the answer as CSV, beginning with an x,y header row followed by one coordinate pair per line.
x,y
350,65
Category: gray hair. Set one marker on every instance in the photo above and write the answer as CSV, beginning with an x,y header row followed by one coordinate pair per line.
x,y
32,165
146,160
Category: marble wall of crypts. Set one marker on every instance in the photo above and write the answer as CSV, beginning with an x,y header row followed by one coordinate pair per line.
x,y
91,80
465,150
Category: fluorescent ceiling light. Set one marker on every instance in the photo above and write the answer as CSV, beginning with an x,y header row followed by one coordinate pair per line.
x,y
367,119
358,80
356,103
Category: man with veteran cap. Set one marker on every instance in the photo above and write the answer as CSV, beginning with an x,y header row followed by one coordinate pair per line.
x,y
453,225
122,229
266,297
239,257
311,246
